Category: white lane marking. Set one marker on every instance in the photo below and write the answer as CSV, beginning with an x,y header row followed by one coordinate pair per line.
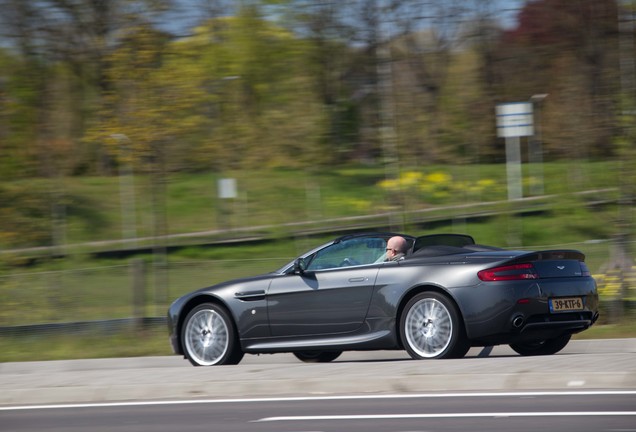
x,y
450,415
320,398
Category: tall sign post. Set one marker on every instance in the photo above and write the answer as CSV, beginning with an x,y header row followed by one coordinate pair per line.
x,y
514,120
227,190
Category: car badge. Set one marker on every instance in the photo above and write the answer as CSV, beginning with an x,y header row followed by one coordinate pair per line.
x,y
560,267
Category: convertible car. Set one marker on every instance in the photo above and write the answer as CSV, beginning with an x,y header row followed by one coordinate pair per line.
x,y
444,296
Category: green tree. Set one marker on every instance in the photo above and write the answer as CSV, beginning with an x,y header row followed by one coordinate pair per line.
x,y
257,103
19,84
569,50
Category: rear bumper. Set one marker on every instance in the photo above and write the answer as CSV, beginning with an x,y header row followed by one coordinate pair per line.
x,y
503,313
542,327
555,325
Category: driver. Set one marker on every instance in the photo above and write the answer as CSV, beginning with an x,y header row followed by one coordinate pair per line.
x,y
396,248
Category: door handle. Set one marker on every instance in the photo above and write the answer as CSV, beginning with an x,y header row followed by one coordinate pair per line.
x,y
358,279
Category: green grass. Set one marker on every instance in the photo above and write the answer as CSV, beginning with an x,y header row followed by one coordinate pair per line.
x,y
625,329
39,347
92,205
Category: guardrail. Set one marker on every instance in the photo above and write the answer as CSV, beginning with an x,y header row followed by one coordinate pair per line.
x,y
82,327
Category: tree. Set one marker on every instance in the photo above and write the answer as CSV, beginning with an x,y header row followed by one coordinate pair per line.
x,y
569,50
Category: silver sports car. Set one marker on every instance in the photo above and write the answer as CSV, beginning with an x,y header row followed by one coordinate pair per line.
x,y
443,296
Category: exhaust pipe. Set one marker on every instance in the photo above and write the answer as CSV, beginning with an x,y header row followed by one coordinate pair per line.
x,y
518,321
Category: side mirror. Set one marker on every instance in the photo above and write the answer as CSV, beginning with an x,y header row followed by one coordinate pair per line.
x,y
300,266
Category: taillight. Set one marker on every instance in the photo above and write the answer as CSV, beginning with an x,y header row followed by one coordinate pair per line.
x,y
584,270
509,273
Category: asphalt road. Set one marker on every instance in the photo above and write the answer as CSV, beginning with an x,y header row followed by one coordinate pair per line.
x,y
520,411
582,365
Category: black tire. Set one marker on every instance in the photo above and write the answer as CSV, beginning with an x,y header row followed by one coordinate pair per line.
x,y
543,347
431,328
317,356
209,337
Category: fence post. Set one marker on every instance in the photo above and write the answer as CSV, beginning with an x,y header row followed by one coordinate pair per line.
x,y
138,271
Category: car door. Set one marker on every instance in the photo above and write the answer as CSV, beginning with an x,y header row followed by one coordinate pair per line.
x,y
331,296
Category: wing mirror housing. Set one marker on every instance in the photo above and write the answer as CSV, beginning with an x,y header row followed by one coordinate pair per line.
x,y
300,265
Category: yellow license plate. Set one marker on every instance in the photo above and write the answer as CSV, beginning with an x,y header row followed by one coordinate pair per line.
x,y
566,304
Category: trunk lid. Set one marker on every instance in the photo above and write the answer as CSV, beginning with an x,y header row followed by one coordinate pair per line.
x,y
556,263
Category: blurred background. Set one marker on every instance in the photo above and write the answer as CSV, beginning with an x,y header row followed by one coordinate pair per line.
x,y
152,147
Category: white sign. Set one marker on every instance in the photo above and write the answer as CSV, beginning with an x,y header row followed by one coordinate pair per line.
x,y
514,120
227,188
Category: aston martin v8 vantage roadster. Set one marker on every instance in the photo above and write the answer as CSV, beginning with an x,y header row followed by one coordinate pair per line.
x,y
445,294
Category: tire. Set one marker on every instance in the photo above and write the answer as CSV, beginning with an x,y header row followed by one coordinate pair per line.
x,y
544,347
317,356
431,328
209,338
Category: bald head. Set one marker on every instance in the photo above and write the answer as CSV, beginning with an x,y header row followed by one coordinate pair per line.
x,y
395,248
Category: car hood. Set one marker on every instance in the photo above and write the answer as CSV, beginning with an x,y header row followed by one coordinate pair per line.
x,y
218,290
235,282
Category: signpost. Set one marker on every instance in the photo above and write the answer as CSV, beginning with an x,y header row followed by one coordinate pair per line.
x,y
514,120
227,190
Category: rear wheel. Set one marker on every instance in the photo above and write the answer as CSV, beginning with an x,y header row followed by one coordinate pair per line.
x,y
544,347
209,337
431,327
317,356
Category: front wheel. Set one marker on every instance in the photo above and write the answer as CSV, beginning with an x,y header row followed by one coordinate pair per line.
x,y
209,337
431,327
317,356
543,347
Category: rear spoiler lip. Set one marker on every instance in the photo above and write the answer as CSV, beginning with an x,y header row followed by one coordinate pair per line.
x,y
553,254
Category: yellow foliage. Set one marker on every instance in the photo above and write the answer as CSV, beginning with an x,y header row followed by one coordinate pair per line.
x,y
439,178
609,284
435,187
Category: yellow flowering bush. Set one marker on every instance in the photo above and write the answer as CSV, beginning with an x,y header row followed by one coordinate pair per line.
x,y
609,284
436,187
